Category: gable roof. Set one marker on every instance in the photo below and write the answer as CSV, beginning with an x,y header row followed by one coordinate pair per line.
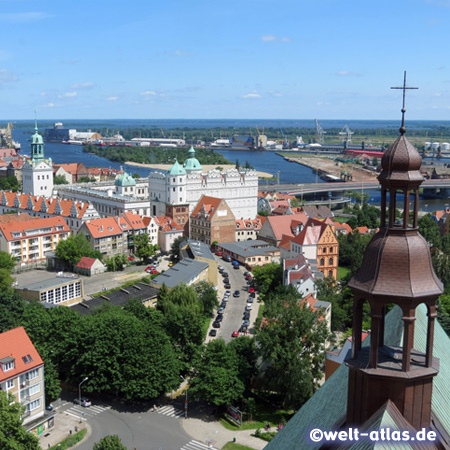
x,y
106,226
8,218
166,224
207,207
16,344
86,263
48,223
282,225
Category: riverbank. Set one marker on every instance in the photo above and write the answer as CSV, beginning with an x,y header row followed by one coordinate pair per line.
x,y
206,167
331,167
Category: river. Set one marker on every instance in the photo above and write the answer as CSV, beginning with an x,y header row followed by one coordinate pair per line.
x,y
265,161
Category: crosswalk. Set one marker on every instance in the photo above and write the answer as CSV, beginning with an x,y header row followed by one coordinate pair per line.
x,y
170,411
196,445
85,413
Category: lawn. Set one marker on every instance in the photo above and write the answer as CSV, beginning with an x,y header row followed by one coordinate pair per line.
x,y
342,272
234,446
70,441
263,414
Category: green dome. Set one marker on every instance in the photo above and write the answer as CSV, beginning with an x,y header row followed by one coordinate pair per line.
x,y
125,180
192,162
176,169
36,138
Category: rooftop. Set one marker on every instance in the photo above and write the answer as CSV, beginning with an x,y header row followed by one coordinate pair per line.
x,y
183,272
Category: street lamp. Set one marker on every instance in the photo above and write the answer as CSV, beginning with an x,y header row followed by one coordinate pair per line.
x,y
79,393
186,400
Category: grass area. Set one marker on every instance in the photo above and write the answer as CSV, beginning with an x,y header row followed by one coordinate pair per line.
x,y
263,414
342,272
70,441
341,219
234,446
205,326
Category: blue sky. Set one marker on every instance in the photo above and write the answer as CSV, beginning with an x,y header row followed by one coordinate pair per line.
x,y
283,59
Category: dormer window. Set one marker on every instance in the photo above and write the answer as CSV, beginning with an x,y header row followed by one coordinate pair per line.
x,y
7,363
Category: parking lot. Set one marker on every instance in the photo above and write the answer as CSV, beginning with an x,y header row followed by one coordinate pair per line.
x,y
234,311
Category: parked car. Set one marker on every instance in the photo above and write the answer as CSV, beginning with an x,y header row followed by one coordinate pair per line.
x,y
250,300
228,293
213,333
235,334
227,286
236,293
226,258
170,263
225,274
219,317
216,324
243,329
153,271
252,294
221,269
223,305
251,289
221,310
248,307
246,315
226,280
246,273
219,253
236,266
83,401
246,323
149,268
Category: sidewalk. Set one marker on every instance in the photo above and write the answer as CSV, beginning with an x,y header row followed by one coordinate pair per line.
x,y
203,429
64,423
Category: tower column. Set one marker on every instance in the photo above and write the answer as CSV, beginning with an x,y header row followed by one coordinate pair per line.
x,y
375,335
432,314
408,339
357,326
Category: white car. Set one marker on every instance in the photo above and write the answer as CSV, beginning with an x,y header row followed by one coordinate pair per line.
x,y
248,307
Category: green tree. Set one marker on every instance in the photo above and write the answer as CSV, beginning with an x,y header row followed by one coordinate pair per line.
x,y
142,247
268,277
60,179
292,346
86,180
13,436
207,296
7,261
443,311
74,248
175,252
294,202
9,184
116,263
11,310
429,229
247,354
216,375
111,442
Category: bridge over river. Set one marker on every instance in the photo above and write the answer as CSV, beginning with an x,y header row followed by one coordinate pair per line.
x,y
433,188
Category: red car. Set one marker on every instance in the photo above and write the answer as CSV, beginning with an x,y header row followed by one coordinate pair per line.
x,y
235,334
153,271
148,268
251,290
218,253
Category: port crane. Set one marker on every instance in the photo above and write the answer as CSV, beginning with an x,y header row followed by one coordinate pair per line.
x,y
346,134
320,134
260,142
285,141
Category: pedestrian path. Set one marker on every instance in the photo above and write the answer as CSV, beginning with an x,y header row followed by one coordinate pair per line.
x,y
170,411
85,413
196,445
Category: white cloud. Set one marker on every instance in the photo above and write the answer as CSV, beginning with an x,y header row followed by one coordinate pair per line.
x,y
6,76
85,85
181,53
70,94
437,94
252,95
25,17
345,73
49,105
112,99
272,38
148,93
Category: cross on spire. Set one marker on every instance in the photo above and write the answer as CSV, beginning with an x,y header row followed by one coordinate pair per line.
x,y
404,87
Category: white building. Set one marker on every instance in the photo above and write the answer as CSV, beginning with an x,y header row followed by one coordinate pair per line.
x,y
37,174
186,184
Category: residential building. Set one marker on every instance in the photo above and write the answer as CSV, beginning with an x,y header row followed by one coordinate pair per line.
x,y
275,227
247,229
132,225
74,171
212,221
168,231
317,241
152,226
74,213
37,173
22,374
63,289
298,273
251,253
30,241
106,236
184,185
103,173
199,251
89,266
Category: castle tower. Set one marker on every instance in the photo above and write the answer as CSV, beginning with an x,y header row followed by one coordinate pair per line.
x,y
396,269
192,165
37,174
177,207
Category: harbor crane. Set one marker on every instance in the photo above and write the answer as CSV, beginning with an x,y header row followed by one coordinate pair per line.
x,y
260,143
285,141
346,134
320,134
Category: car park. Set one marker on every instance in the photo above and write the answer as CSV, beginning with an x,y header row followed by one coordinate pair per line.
x,y
213,333
236,293
235,334
216,324
83,401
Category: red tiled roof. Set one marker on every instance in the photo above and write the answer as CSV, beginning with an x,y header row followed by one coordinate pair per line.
x,y
283,224
48,222
206,205
86,263
167,224
16,344
8,218
106,226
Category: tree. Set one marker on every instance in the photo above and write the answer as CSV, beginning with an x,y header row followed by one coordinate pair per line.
x,y
142,247
86,180
60,179
74,248
11,310
294,202
352,247
7,261
207,296
247,354
429,229
175,252
111,442
13,436
443,310
9,184
268,277
116,262
216,375
292,346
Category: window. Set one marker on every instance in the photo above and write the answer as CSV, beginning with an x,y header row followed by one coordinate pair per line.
x,y
331,249
34,389
58,295
8,365
34,405
77,289
330,261
9,384
32,374
50,296
324,250
322,262
43,296
71,291
330,273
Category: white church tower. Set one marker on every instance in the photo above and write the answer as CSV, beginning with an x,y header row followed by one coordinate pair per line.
x,y
37,174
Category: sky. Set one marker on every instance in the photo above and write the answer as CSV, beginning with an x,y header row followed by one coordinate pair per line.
x,y
235,59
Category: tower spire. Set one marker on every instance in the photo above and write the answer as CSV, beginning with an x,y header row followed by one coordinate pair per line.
x,y
404,87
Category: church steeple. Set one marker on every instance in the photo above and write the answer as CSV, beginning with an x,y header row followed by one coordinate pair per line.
x,y
37,144
397,269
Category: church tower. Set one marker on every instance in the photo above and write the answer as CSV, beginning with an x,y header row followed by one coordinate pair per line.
x,y
37,174
396,269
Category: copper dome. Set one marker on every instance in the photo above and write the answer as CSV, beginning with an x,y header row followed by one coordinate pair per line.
x,y
400,164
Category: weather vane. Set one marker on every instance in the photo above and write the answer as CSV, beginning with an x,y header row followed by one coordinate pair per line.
x,y
404,87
